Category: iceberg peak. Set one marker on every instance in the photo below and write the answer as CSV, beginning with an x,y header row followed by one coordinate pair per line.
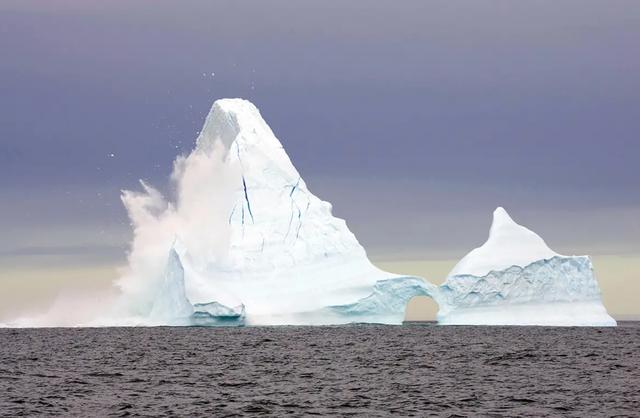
x,y
509,244
501,218
233,119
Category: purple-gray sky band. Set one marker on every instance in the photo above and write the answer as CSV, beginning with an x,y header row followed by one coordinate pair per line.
x,y
414,112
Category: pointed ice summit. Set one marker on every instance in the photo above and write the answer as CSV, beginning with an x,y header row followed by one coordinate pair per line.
x,y
286,258
509,244
516,279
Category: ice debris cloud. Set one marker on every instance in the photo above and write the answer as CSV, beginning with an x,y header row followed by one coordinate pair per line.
x,y
202,184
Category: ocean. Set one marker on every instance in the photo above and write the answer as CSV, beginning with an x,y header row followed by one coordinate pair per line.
x,y
355,370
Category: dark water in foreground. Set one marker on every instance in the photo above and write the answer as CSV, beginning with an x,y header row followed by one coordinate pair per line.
x,y
359,370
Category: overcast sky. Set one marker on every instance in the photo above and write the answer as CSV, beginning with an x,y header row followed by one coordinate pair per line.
x,y
415,118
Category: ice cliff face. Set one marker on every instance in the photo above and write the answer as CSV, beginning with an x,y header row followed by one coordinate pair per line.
x,y
515,279
287,259
171,305
276,221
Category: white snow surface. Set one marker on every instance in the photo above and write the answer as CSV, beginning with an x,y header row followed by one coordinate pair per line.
x,y
509,244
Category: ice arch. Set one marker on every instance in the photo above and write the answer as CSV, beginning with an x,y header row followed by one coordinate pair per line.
x,y
421,308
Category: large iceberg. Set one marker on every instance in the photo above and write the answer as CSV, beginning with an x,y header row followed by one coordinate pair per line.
x,y
281,256
516,279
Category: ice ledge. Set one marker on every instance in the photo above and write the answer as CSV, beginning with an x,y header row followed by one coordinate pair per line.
x,y
557,314
216,314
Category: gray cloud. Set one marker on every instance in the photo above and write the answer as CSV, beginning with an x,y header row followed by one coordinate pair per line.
x,y
444,110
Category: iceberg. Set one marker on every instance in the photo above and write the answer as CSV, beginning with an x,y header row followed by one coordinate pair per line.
x,y
516,279
280,255
245,242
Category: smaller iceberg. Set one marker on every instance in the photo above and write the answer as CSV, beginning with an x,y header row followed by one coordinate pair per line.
x,y
516,279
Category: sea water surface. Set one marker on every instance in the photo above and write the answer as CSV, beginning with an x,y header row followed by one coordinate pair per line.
x,y
364,370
